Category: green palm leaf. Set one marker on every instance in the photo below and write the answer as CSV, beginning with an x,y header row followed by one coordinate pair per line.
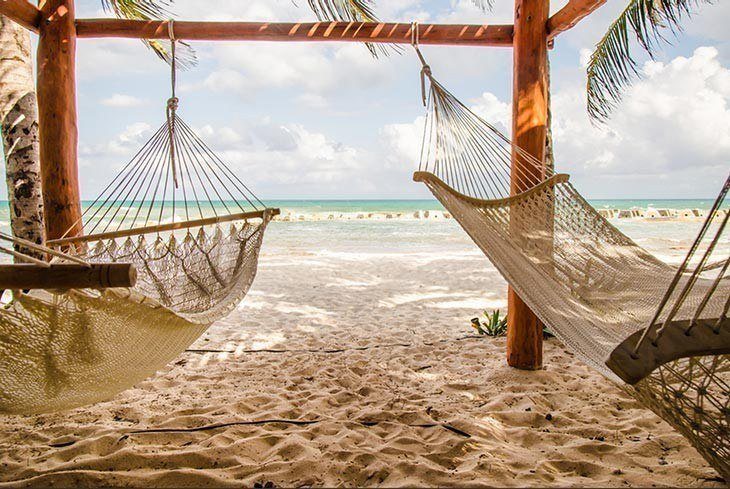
x,y
348,11
361,11
612,66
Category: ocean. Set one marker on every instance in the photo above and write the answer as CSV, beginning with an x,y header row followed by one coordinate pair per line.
x,y
366,229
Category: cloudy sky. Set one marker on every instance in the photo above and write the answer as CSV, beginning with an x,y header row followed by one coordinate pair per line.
x,y
329,121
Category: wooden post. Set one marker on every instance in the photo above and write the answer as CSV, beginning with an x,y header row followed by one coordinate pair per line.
x,y
57,117
529,124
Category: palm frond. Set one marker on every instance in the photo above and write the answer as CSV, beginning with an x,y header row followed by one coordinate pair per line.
x,y
612,66
349,11
484,5
153,9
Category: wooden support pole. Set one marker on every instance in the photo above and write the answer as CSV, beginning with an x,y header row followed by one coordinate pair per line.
x,y
376,32
57,118
529,126
568,16
65,276
21,12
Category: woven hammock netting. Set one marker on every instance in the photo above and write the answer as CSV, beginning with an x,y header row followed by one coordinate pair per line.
x,y
590,284
198,271
192,229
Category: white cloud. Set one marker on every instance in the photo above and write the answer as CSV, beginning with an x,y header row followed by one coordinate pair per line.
x,y
285,159
125,143
672,128
245,69
494,111
122,101
673,125
313,101
402,142
114,58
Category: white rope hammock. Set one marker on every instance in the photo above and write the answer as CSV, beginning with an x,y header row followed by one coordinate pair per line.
x,y
62,349
178,213
193,231
660,331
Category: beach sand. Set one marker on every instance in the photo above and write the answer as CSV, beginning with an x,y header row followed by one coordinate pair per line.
x,y
347,369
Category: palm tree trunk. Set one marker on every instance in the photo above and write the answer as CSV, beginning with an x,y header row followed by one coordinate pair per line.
x,y
19,129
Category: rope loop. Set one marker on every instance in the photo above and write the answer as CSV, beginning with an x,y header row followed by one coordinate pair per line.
x,y
173,101
425,69
414,34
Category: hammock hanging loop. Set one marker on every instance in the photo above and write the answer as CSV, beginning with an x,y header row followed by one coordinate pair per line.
x,y
425,69
172,102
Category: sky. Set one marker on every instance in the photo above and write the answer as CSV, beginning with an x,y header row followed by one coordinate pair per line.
x,y
327,120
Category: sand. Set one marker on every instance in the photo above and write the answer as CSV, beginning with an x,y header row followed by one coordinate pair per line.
x,y
364,374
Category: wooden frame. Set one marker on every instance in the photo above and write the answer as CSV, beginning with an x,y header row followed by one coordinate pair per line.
x,y
29,16
123,233
529,132
22,12
57,120
375,32
530,36
568,16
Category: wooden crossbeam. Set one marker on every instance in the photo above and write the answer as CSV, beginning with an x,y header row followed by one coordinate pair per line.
x,y
22,12
570,15
67,276
375,32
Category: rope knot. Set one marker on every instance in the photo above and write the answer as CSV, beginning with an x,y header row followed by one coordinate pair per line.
x,y
172,103
425,73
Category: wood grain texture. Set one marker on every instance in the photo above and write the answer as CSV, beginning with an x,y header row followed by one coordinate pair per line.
x,y
57,118
21,12
375,32
65,276
529,124
568,16
671,345
122,233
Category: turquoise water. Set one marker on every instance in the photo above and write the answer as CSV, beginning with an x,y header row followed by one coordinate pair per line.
x,y
337,209
655,203
354,234
398,205
413,205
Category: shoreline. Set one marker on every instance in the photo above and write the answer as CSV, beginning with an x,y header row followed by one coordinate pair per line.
x,y
649,215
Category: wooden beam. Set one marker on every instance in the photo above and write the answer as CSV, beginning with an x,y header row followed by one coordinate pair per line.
x,y
123,233
570,15
529,128
21,12
673,343
390,33
56,91
65,276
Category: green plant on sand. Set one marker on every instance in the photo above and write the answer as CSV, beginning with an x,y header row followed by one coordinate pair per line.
x,y
497,326
494,325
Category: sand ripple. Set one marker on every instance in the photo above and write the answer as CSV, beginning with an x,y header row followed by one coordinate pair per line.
x,y
371,389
